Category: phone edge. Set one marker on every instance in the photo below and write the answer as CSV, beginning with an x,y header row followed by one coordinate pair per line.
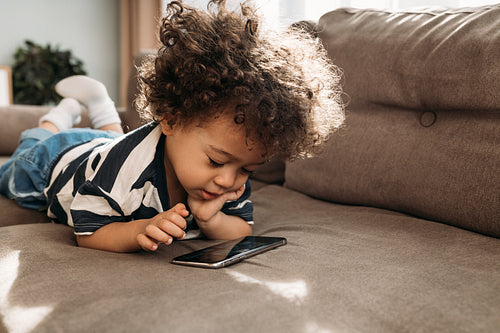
x,y
233,260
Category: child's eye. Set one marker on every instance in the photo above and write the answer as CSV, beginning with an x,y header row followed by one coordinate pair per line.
x,y
215,164
247,172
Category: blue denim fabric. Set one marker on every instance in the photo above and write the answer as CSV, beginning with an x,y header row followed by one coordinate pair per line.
x,y
26,174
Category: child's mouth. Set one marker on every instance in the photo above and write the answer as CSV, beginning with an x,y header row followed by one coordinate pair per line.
x,y
208,195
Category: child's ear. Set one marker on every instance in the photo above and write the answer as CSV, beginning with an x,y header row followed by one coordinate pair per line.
x,y
166,128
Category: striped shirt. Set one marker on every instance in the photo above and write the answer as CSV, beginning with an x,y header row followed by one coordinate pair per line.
x,y
118,180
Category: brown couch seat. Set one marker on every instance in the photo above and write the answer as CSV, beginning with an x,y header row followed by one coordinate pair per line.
x,y
366,269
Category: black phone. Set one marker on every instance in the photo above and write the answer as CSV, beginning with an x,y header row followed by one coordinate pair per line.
x,y
229,252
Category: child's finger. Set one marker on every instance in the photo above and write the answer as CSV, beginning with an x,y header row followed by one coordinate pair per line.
x,y
146,243
231,196
240,191
171,216
157,234
180,208
178,220
173,229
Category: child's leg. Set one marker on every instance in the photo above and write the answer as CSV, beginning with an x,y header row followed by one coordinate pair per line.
x,y
18,176
62,117
94,96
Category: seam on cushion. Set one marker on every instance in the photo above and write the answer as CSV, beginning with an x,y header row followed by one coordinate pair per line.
x,y
447,11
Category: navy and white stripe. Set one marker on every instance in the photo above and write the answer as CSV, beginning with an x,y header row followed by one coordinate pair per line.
x,y
106,180
242,207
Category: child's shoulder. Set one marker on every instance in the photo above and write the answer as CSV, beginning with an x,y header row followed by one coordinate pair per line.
x,y
134,147
125,159
147,134
143,131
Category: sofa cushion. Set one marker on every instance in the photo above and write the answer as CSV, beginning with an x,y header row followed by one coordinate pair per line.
x,y
11,214
345,268
18,118
422,132
271,172
442,59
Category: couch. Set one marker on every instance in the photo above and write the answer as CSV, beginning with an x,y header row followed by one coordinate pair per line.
x,y
393,228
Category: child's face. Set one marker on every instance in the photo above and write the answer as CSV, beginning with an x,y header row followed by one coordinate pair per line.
x,y
211,159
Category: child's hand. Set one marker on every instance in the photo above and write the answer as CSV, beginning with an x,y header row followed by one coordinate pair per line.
x,y
204,210
163,227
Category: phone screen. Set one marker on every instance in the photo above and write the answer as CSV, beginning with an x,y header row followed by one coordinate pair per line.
x,y
229,252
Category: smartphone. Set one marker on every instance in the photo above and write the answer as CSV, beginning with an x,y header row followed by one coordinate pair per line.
x,y
229,252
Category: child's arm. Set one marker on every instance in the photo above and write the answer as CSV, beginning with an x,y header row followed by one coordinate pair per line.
x,y
213,222
223,226
137,234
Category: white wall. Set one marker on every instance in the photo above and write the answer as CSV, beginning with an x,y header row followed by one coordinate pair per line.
x,y
89,28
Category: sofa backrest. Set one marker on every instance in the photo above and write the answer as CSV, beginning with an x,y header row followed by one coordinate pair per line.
x,y
422,130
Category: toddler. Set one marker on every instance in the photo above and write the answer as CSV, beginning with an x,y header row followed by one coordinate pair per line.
x,y
222,96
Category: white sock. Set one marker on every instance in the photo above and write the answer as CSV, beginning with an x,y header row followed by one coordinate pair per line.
x,y
93,95
66,114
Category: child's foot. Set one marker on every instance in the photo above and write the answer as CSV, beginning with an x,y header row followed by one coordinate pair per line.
x,y
66,114
93,95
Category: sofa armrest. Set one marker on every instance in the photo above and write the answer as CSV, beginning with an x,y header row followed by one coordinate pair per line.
x,y
17,118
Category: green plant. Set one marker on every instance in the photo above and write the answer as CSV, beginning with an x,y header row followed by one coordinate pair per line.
x,y
37,69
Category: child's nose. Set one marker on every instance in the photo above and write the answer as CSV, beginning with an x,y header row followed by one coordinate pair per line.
x,y
225,179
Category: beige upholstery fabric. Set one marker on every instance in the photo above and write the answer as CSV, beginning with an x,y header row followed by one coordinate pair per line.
x,y
11,214
272,172
344,269
418,60
18,118
422,131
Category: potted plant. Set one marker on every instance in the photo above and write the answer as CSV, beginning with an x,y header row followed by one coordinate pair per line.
x,y
37,69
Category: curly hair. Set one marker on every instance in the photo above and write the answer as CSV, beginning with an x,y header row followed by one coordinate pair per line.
x,y
281,85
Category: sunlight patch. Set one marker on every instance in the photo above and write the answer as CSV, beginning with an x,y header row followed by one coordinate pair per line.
x,y
15,318
295,291
314,328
